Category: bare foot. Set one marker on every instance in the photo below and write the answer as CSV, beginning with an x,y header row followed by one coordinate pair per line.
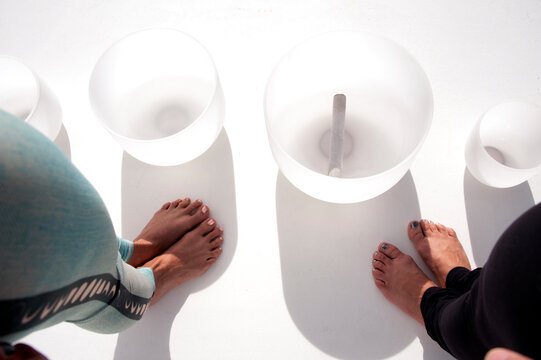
x,y
400,280
439,248
169,223
189,257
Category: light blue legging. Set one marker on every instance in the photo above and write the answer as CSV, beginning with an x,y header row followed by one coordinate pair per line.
x,y
60,259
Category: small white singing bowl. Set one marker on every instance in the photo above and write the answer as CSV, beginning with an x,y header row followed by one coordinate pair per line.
x,y
504,147
158,94
388,111
24,95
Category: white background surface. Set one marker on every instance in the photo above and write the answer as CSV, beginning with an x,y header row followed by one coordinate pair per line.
x,y
294,281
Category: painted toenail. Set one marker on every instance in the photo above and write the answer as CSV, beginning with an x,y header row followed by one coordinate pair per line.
x,y
210,222
220,228
373,260
384,247
376,253
414,224
204,209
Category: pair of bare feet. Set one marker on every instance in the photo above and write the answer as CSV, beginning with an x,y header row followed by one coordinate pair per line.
x,y
399,278
179,243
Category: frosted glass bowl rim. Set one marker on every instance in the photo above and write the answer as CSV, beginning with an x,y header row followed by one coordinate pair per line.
x,y
36,83
215,84
407,159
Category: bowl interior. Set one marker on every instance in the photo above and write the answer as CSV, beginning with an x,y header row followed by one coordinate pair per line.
x,y
388,103
153,84
510,132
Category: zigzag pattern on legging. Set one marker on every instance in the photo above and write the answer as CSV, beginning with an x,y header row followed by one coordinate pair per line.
x,y
22,314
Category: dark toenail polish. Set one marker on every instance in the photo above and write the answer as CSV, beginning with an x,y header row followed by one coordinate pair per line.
x,y
384,247
414,224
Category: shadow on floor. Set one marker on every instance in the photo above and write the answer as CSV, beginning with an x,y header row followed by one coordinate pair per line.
x,y
63,142
145,188
490,211
325,252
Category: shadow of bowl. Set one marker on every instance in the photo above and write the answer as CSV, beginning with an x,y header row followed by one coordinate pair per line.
x,y
325,252
145,188
490,211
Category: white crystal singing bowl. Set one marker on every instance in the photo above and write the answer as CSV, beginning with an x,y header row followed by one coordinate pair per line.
x,y
158,94
388,114
26,96
504,147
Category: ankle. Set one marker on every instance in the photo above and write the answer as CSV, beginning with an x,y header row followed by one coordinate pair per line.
x,y
141,249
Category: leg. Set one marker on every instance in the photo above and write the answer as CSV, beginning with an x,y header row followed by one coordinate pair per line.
x,y
54,219
59,248
502,304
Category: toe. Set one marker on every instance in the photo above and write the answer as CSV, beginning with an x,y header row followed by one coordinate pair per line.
x,y
380,284
389,250
216,243
428,226
415,233
441,228
166,205
211,236
214,254
379,256
451,232
194,206
206,226
378,265
184,203
378,278
200,214
176,203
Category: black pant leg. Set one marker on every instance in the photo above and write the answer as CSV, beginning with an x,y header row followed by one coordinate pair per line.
x,y
508,309
502,306
462,279
433,303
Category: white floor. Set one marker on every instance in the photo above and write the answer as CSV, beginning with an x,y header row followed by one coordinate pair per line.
x,y
294,281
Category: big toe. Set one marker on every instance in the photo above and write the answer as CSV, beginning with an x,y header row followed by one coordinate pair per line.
x,y
415,232
206,227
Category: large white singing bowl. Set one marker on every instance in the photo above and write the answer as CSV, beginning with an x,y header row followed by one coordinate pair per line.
x,y
24,95
504,147
388,114
158,94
